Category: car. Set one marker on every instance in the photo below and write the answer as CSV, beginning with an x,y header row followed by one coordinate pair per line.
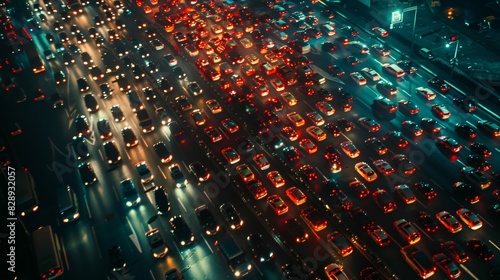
x,y
380,31
467,104
448,144
82,125
365,171
60,77
259,248
439,85
289,99
194,88
275,104
296,195
230,125
91,103
156,243
163,115
370,74
277,204
382,49
478,162
449,268
181,231
314,218
308,172
87,174
213,134
183,103
350,149
82,84
358,78
144,173
328,46
430,126
384,200
96,73
345,124
449,221
339,243
465,130
405,193
38,95
207,220
469,218
181,75
335,271
256,188
291,153
408,66
376,145
129,137
261,161
106,90
112,153
395,138
440,111
353,61
333,128
244,144
129,192
475,177
378,234
276,179
383,167
482,251
316,118
231,155
214,106
455,251
231,216
199,170
490,128
411,129
198,117
426,190
407,231
245,173
369,124
308,146
177,175
162,203
467,192
117,113
293,228
426,93
325,108
387,89
116,258
79,145
480,149
403,164
296,119
427,222
359,188
336,70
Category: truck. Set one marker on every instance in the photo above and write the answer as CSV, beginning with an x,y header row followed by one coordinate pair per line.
x,y
145,122
286,74
110,61
36,62
418,261
26,198
234,256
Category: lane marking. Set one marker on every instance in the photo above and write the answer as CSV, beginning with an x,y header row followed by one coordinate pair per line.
x,y
494,245
182,204
208,245
95,240
161,171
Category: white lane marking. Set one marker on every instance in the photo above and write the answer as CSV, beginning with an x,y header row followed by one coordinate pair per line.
x,y
133,236
182,205
161,171
459,161
494,245
96,244
128,155
168,138
482,218
100,154
152,275
321,173
208,245
439,186
474,126
64,253
461,206
145,143
87,206
468,272
208,197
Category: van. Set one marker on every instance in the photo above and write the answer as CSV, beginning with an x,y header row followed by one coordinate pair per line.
x,y
425,52
394,69
67,204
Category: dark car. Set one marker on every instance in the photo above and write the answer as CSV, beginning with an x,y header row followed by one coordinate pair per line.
x,y
161,200
411,129
404,164
179,73
117,113
116,259
467,104
83,85
106,90
87,173
480,249
291,153
439,85
162,152
387,89
395,138
112,153
427,222
231,216
466,192
455,251
199,171
80,148
259,248
295,230
448,144
466,131
60,77
408,107
129,137
181,231
328,47
176,129
376,145
244,144
91,103
426,190
478,162
82,125
207,220
480,149
431,126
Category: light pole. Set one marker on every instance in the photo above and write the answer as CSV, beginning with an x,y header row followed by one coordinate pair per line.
x,y
454,61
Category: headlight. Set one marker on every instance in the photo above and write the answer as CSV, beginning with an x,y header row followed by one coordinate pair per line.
x,y
128,203
119,158
76,215
262,259
271,254
110,161
208,232
183,243
233,226
249,267
237,273
192,238
65,220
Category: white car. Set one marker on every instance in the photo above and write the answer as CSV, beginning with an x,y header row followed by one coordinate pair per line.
x,y
171,60
296,119
365,171
325,108
335,271
358,78
316,118
370,74
449,221
289,98
469,218
426,93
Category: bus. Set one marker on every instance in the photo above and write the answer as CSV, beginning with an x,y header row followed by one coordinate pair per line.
x,y
36,62
26,199
47,253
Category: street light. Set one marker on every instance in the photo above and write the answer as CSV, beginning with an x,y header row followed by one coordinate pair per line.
x,y
453,61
